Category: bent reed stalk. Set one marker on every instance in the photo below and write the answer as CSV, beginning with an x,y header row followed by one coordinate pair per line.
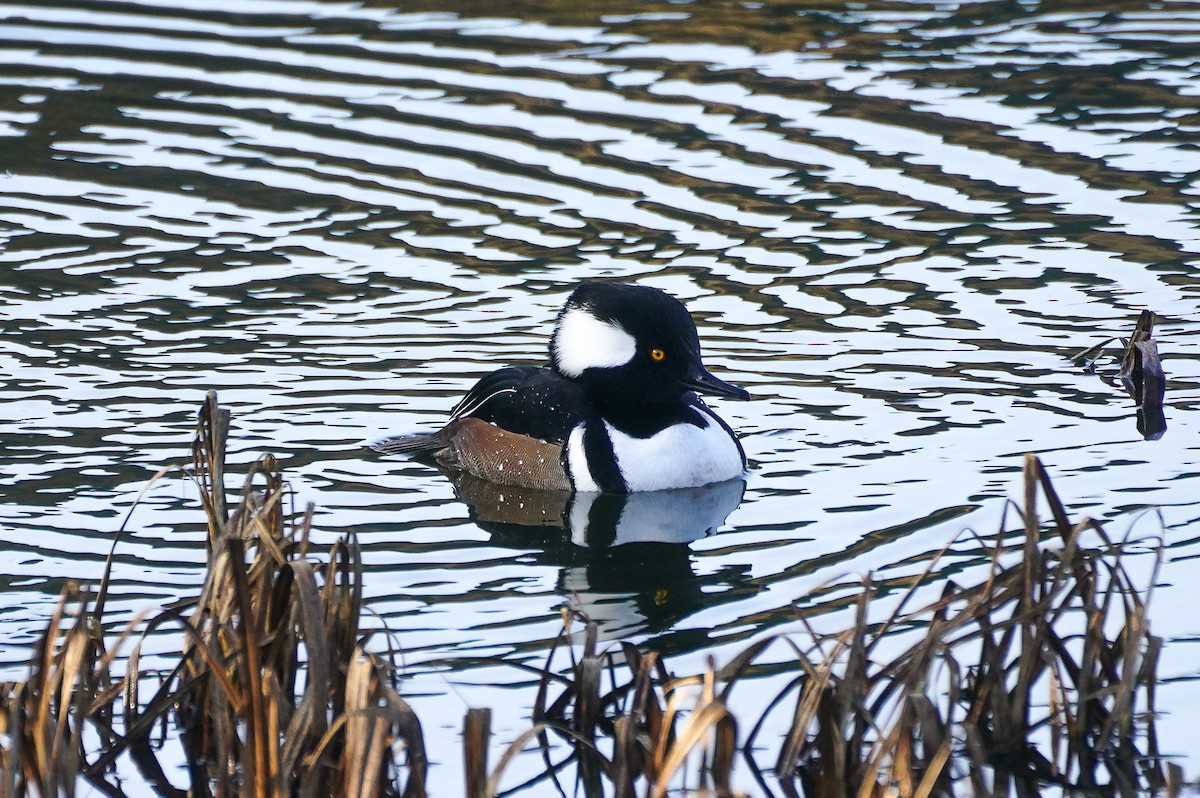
x,y
1043,673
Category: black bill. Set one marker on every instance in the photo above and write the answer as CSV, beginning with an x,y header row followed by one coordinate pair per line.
x,y
703,382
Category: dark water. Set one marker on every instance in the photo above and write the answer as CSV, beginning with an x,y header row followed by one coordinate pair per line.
x,y
894,222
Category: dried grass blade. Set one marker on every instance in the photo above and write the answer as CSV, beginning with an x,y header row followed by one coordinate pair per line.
x,y
477,733
1093,352
806,710
208,457
588,710
934,770
362,761
1061,522
625,757
698,724
492,786
256,724
312,621
409,729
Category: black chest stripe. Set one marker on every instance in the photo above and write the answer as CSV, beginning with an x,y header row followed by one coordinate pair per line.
x,y
647,420
601,459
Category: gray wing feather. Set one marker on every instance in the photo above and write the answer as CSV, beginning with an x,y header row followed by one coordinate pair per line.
x,y
409,444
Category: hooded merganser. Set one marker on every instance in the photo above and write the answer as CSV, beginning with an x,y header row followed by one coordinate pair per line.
x,y
615,412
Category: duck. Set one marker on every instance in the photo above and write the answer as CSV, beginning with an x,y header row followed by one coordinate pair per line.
x,y
616,410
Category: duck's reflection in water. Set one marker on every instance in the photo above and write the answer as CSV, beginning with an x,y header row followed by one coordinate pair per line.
x,y
625,560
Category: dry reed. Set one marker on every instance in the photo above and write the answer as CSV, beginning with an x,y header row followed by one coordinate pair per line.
x,y
1043,673
272,695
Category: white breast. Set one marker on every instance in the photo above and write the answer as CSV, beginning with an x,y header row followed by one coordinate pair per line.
x,y
681,456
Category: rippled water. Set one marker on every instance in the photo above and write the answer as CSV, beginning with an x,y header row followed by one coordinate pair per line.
x,y
893,221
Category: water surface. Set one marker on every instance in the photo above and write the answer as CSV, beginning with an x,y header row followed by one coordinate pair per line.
x,y
893,221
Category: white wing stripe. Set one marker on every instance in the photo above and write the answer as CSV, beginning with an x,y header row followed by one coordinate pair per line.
x,y
466,407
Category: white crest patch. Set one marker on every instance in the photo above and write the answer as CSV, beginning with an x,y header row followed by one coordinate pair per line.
x,y
582,341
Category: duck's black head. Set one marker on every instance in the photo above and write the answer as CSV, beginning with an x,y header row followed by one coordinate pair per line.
x,y
631,343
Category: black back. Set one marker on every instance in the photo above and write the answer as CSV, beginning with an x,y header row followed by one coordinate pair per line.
x,y
527,400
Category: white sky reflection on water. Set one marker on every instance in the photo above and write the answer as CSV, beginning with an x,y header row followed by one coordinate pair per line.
x,y
893,229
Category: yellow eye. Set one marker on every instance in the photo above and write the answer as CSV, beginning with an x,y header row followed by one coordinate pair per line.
x,y
657,355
